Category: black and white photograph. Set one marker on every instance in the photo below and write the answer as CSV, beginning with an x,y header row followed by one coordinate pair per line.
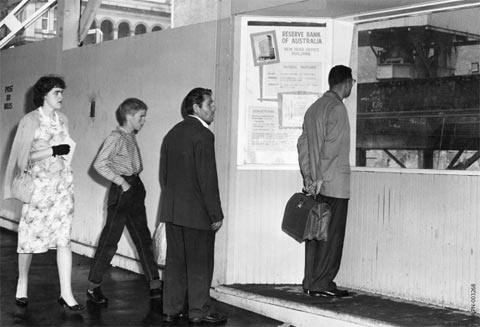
x,y
264,48
240,163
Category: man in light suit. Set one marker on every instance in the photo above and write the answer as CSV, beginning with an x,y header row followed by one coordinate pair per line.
x,y
191,209
323,152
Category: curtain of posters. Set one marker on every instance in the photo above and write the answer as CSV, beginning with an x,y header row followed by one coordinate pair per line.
x,y
285,66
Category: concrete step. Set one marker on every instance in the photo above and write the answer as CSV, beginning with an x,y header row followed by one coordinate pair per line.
x,y
289,304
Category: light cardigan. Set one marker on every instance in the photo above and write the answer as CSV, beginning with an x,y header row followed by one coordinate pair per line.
x,y
21,147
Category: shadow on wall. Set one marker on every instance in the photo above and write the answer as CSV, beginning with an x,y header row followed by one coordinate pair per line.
x,y
28,103
158,235
11,208
157,220
6,153
28,106
183,113
92,173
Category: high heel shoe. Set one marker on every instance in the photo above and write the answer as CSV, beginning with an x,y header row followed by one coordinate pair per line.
x,y
73,308
21,301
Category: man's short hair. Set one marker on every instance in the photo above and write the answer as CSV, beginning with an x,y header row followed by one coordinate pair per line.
x,y
339,74
195,96
44,85
129,106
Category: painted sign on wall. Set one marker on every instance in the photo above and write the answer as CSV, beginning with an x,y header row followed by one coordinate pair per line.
x,y
8,97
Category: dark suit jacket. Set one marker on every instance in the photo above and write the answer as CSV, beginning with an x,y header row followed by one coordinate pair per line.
x,y
188,176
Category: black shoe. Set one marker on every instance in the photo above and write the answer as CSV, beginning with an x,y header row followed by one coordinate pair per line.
x,y
306,291
21,301
334,293
97,296
170,318
73,308
156,293
212,318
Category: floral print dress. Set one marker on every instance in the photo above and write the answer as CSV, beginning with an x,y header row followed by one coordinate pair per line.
x,y
46,221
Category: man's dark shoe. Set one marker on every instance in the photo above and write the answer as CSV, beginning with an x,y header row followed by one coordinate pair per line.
x,y
212,318
156,293
334,293
21,301
170,318
315,293
306,291
97,296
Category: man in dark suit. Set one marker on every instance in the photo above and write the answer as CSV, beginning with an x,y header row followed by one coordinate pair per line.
x,y
323,152
190,207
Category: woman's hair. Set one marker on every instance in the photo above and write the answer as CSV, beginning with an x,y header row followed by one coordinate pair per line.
x,y
195,96
339,74
129,107
44,85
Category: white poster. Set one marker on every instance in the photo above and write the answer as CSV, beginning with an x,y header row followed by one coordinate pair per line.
x,y
293,107
283,64
291,77
267,142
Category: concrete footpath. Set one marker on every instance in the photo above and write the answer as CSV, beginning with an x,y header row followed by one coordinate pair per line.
x,y
288,303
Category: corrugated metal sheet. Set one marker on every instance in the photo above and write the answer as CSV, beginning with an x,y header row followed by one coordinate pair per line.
x,y
262,252
413,236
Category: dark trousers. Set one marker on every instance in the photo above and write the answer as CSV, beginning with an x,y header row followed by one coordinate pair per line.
x,y
125,208
188,270
322,259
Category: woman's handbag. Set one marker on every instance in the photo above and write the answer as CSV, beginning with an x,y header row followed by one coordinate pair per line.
x,y
22,186
306,218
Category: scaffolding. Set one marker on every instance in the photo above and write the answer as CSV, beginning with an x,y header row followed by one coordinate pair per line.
x,y
15,26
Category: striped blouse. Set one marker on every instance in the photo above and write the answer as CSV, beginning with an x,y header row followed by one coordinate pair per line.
x,y
118,156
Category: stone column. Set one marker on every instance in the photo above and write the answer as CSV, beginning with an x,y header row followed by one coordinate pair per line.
x,y
68,21
187,12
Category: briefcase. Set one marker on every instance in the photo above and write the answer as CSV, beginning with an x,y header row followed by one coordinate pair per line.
x,y
306,218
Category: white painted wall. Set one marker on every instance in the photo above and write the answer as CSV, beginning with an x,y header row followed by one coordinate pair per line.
x,y
113,71
414,235
159,68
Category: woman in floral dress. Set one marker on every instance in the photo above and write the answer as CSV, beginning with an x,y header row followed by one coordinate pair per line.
x,y
41,146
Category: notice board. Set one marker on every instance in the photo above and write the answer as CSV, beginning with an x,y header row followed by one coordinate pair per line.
x,y
283,69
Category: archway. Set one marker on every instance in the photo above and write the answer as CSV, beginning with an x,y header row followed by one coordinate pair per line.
x,y
123,30
140,29
107,29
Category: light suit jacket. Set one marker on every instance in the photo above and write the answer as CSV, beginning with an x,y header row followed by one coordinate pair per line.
x,y
324,146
